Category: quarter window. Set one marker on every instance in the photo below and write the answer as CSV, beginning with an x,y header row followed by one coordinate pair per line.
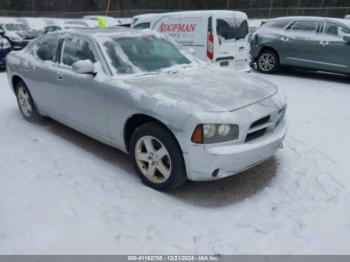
x,y
47,49
77,50
335,30
306,26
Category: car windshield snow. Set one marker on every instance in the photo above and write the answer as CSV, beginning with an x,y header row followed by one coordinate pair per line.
x,y
16,27
131,55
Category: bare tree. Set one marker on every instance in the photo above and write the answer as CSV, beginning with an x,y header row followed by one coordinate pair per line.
x,y
228,4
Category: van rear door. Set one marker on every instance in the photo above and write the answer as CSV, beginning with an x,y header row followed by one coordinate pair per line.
x,y
231,47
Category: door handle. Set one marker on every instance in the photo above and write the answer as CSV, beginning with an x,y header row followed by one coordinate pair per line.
x,y
59,76
27,67
284,39
324,43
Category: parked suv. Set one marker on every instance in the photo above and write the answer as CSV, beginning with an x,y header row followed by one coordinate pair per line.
x,y
313,43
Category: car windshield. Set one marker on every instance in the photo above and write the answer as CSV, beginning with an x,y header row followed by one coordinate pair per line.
x,y
16,27
129,55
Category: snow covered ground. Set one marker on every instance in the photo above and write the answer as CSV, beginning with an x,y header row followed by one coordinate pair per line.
x,y
64,193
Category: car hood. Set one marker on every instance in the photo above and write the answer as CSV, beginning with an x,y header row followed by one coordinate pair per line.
x,y
207,88
27,34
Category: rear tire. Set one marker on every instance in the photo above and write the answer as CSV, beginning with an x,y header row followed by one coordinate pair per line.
x,y
26,103
268,62
157,157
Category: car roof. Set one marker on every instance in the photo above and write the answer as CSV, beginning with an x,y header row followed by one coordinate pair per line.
x,y
117,31
197,13
330,19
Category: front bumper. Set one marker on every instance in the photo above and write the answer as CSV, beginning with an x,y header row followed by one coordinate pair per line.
x,y
212,163
18,45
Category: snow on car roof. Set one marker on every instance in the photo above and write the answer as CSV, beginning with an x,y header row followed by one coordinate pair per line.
x,y
118,31
98,33
330,19
198,12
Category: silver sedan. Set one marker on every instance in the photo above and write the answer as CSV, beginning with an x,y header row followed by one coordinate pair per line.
x,y
177,117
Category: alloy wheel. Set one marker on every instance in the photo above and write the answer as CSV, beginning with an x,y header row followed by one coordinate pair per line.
x,y
153,159
267,62
24,102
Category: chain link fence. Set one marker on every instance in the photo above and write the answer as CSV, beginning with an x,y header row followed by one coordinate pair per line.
x,y
252,12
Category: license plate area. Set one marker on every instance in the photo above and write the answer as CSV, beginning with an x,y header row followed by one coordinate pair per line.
x,y
224,63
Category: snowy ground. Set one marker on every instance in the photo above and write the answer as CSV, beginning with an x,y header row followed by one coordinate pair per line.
x,y
61,192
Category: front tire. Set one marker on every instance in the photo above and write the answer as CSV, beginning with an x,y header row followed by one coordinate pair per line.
x,y
157,158
268,62
26,104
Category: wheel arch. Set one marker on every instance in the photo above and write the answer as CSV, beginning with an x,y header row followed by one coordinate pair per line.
x,y
138,120
14,81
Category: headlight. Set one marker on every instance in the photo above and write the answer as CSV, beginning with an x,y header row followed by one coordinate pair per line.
x,y
5,43
215,133
15,38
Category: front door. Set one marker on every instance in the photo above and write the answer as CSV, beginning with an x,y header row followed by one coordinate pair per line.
x,y
302,38
84,100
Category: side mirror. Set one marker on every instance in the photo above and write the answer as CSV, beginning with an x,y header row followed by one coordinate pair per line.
x,y
84,67
2,32
192,51
346,38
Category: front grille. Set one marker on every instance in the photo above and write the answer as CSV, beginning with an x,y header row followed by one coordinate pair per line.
x,y
258,128
255,135
260,122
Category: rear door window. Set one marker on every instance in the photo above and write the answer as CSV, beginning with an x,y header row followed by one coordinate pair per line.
x,y
336,30
232,28
75,49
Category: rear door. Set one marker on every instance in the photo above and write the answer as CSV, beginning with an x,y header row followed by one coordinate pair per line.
x,y
333,49
41,74
231,47
302,39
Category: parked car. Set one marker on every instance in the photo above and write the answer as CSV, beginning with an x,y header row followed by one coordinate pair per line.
x,y
54,28
110,21
5,48
138,91
218,36
314,43
78,23
254,25
51,28
19,35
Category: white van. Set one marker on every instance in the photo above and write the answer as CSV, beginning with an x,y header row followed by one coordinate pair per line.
x,y
219,36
